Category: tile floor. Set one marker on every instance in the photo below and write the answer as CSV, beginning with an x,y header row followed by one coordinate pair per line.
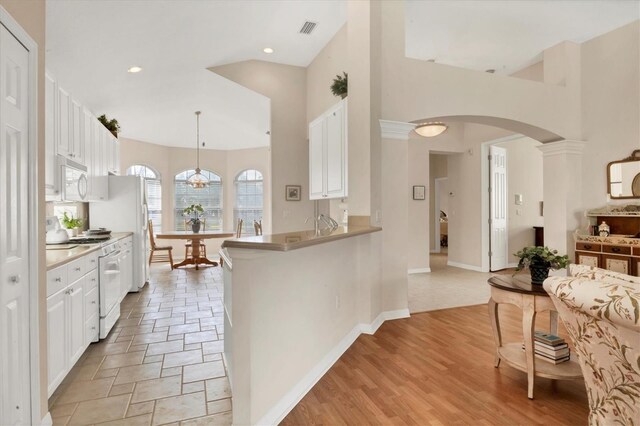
x,y
161,364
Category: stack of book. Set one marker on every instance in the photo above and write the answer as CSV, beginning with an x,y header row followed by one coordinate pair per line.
x,y
550,348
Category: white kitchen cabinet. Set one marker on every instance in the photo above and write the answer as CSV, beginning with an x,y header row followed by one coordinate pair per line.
x,y
328,154
77,133
72,315
56,339
51,175
65,144
97,176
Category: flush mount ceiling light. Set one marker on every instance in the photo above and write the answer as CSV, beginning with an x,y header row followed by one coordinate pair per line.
x,y
134,69
267,50
197,180
429,130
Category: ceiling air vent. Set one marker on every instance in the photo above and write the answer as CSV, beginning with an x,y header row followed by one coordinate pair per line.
x,y
307,27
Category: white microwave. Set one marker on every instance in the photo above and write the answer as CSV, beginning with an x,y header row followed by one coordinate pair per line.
x,y
74,180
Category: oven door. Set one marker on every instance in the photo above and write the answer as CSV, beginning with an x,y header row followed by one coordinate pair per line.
x,y
109,282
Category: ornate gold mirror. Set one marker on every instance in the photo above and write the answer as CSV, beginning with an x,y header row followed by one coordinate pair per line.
x,y
623,177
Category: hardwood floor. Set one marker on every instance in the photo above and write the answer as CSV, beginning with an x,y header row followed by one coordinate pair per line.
x,y
436,368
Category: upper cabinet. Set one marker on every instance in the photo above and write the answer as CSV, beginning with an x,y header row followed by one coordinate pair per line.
x,y
328,154
72,131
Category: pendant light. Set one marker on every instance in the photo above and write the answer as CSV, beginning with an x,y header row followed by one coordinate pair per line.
x,y
197,180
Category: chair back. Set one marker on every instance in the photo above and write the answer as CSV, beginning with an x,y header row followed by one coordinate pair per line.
x,y
599,311
257,226
239,228
152,238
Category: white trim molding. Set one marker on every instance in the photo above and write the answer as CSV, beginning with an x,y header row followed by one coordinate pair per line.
x,y
396,129
465,266
562,147
279,411
418,271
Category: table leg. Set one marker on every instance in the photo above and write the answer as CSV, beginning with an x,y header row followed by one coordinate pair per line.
x,y
528,324
495,326
553,322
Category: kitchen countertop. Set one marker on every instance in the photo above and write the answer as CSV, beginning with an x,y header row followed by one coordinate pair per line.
x,y
57,258
296,240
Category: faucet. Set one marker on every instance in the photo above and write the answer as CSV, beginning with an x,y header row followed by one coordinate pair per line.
x,y
330,223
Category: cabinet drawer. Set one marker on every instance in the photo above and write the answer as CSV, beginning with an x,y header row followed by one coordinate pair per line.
x,y
636,251
91,280
91,303
92,260
56,279
92,329
616,249
76,269
588,247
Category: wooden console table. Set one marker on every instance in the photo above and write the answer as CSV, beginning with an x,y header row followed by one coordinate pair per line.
x,y
531,299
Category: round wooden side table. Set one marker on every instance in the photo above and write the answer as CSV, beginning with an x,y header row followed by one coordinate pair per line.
x,y
518,290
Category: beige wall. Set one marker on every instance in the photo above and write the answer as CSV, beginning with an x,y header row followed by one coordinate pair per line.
x,y
524,176
418,210
286,86
30,14
168,162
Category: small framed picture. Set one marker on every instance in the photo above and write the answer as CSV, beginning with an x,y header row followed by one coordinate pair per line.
x,y
293,192
418,192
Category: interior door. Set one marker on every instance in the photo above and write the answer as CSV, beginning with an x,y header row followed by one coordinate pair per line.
x,y
498,204
15,407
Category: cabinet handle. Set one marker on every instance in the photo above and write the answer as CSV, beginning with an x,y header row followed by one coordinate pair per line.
x,y
588,246
70,291
58,279
93,302
15,279
77,269
615,249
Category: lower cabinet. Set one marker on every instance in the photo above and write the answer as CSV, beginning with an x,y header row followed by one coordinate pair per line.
x,y
57,332
617,258
76,321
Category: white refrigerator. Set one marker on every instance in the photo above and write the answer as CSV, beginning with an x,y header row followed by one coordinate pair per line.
x,y
126,211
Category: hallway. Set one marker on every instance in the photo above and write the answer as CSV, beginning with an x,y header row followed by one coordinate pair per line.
x,y
162,362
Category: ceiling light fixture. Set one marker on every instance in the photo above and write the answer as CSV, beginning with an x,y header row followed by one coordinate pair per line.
x,y
267,50
429,130
197,180
134,69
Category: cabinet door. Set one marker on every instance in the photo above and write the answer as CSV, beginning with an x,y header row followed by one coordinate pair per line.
x,y
65,143
335,152
588,258
615,263
56,339
77,132
50,139
116,156
316,159
76,321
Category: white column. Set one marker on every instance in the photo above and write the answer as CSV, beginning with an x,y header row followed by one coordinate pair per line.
x,y
562,189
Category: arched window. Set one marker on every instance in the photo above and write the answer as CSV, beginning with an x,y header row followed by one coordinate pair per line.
x,y
249,200
154,192
210,197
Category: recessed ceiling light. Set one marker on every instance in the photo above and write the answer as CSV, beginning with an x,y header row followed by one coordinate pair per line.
x,y
267,50
134,69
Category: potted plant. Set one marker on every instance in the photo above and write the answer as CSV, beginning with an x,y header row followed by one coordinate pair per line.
x,y
71,224
111,125
340,85
539,260
196,210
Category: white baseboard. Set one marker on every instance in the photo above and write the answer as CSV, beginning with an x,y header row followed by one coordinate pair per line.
x,y
512,265
418,271
279,411
47,420
465,266
434,250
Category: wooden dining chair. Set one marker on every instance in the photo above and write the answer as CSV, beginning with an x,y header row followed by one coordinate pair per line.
x,y
187,246
257,226
154,248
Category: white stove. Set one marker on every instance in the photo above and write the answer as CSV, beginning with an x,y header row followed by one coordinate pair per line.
x,y
109,285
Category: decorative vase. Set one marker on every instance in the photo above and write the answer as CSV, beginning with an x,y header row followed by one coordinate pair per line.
x,y
195,227
539,273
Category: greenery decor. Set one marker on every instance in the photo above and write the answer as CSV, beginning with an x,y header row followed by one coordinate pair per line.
x,y
196,210
340,85
71,222
111,125
539,260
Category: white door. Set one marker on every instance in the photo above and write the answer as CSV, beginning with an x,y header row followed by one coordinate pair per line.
x,y
335,153
57,356
15,407
498,202
316,158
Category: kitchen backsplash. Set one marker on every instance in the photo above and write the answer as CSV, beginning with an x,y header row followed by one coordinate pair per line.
x,y
80,210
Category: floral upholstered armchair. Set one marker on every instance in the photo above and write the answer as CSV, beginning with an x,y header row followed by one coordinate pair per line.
x,y
601,312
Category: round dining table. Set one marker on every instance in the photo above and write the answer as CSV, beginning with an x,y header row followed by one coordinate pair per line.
x,y
197,258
